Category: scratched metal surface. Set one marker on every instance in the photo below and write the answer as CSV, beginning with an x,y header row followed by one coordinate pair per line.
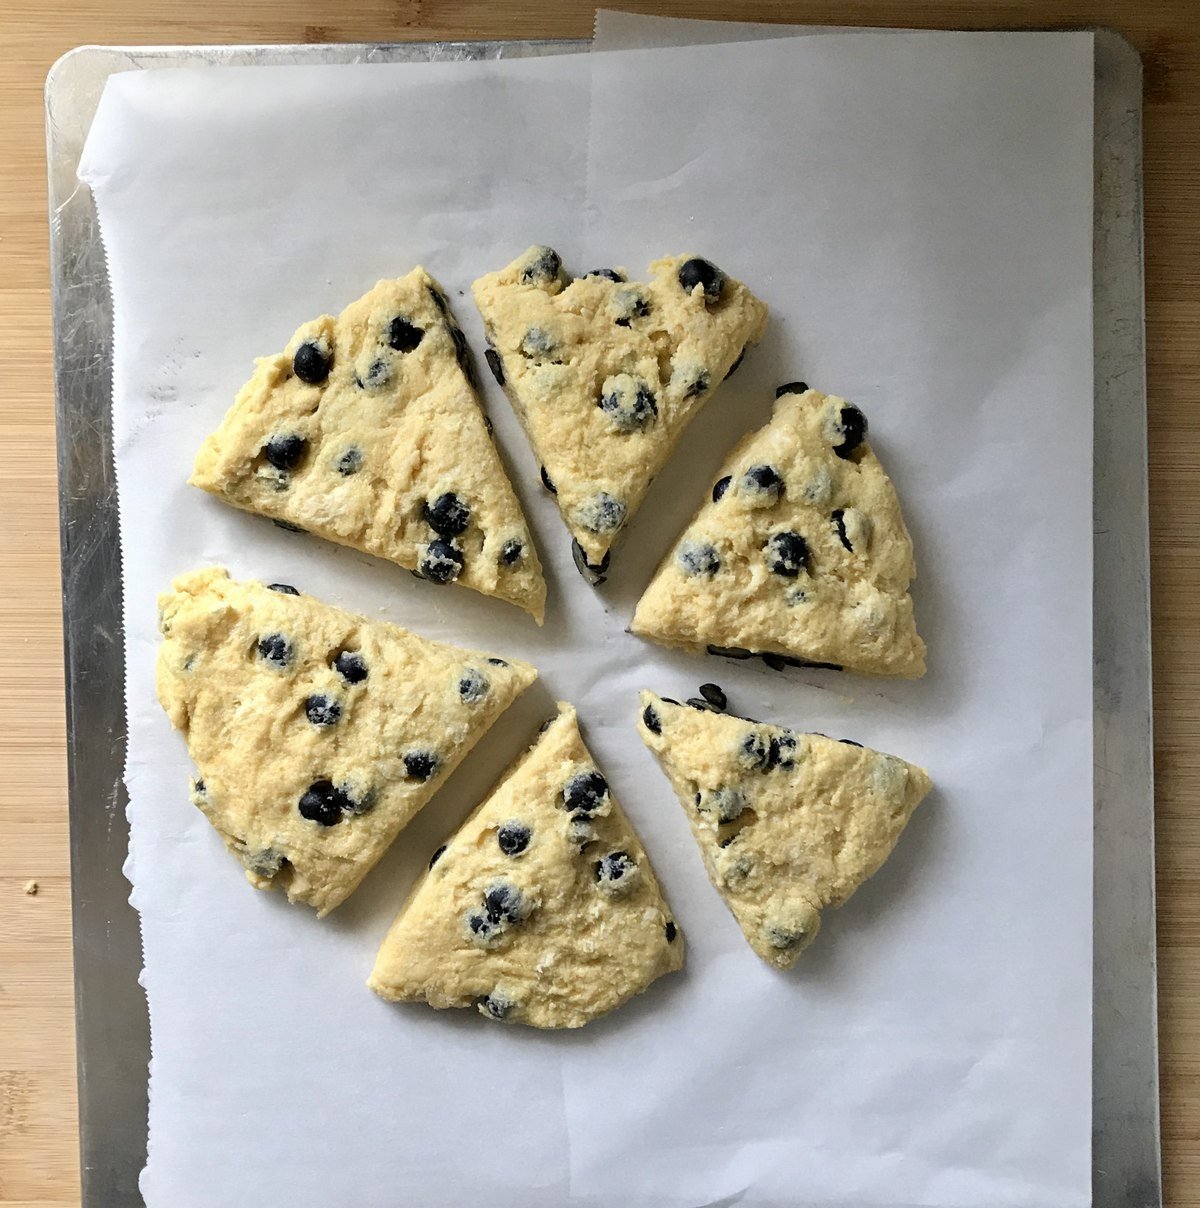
x,y
112,1027
1126,1162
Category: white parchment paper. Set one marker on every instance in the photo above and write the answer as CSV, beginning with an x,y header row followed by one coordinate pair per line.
x,y
917,213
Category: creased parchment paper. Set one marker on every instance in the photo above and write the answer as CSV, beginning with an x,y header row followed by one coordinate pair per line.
x,y
917,213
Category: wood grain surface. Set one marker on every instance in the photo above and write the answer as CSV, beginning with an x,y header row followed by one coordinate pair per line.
x,y
38,1156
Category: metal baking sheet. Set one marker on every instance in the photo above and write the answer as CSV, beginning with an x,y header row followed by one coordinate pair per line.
x,y
113,1040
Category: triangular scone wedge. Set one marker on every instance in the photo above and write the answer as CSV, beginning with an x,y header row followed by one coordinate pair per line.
x,y
787,823
317,735
606,373
367,431
543,909
802,553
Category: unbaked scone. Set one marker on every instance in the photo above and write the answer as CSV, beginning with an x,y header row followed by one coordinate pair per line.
x,y
367,431
606,373
317,735
787,823
543,909
802,554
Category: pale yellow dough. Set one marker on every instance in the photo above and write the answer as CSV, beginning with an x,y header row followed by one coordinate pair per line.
x,y
389,430
565,940
787,823
848,607
252,678
560,347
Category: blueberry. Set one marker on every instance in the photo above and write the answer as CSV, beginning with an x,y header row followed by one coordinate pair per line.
x,y
537,343
275,648
738,872
703,273
322,710
199,787
497,662
585,792
461,354
285,450
504,903
850,742
473,686
548,483
580,830
595,575
447,515
482,930
440,562
603,513
785,937
726,804
494,364
651,720
698,702
628,402
720,487
496,1006
264,863
615,871
287,526
730,652
324,803
715,696
755,750
542,266
851,427
349,463
513,838
284,589
310,364
670,931
511,552
631,305
853,528
404,335
839,523
609,274
790,388
741,356
764,482
378,374
782,751
775,661
420,765
787,660
786,554
438,300
351,666
697,558
697,386
437,855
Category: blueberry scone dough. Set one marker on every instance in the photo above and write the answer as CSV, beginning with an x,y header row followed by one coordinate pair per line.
x,y
787,823
367,431
317,735
801,553
543,909
606,373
